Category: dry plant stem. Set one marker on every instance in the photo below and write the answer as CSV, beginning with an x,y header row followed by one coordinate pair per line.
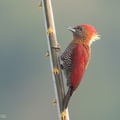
x,y
54,57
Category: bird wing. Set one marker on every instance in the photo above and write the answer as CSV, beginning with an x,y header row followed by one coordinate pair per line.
x,y
80,58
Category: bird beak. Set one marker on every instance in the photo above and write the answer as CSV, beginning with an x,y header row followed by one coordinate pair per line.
x,y
71,29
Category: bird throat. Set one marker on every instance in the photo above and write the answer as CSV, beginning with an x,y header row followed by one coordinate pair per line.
x,y
77,41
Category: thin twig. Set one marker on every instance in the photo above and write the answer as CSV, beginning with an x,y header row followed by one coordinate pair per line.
x,y
54,57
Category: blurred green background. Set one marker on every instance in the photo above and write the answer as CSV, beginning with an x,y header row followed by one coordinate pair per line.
x,y
26,88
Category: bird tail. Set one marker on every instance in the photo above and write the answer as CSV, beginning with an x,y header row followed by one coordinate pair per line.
x,y
67,97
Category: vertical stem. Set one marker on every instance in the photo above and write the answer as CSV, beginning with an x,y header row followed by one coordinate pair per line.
x,y
54,57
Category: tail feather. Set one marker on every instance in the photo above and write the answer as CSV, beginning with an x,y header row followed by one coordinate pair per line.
x,y
67,97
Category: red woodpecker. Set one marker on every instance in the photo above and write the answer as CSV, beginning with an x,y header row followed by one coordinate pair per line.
x,y
76,57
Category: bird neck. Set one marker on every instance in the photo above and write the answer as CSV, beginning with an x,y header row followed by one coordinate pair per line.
x,y
82,41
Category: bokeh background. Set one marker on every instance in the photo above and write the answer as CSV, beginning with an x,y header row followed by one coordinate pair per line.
x,y
26,88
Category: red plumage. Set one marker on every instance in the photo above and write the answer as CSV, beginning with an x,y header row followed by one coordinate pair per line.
x,y
76,57
80,59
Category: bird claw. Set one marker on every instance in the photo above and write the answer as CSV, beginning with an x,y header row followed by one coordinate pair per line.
x,y
61,66
55,71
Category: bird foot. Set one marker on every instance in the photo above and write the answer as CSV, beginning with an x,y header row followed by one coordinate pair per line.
x,y
62,67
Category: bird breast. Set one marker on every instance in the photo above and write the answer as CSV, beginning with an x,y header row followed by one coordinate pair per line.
x,y
67,62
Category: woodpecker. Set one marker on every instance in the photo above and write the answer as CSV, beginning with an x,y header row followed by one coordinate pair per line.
x,y
76,57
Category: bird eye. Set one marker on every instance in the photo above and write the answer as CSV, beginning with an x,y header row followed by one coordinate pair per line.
x,y
81,28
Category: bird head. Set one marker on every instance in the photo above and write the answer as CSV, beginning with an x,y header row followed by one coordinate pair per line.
x,y
84,33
